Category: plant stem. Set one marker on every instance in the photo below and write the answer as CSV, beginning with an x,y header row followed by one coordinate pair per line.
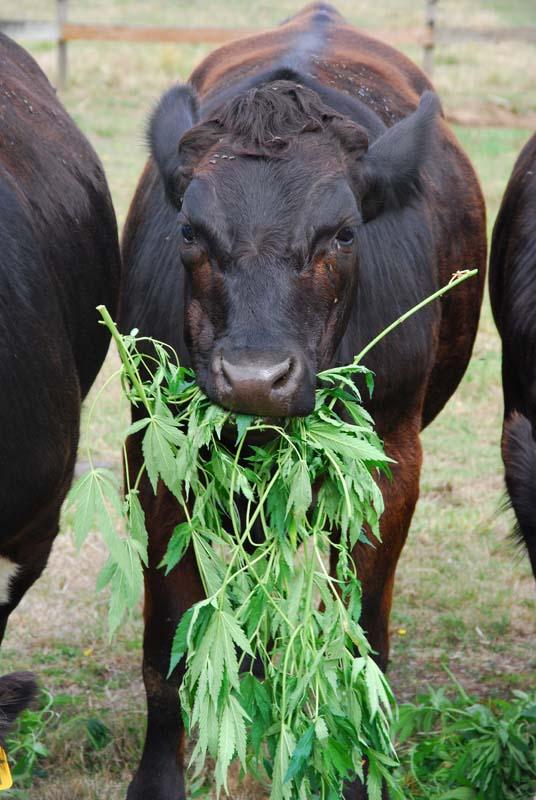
x,y
457,278
124,355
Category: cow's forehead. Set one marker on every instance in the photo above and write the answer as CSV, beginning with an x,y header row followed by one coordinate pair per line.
x,y
248,192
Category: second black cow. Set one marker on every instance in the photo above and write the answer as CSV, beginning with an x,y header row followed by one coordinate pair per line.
x,y
59,258
512,285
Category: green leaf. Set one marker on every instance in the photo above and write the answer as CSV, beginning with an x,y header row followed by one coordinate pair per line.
x,y
231,661
237,633
255,609
243,421
321,729
374,781
338,756
193,621
349,446
298,759
136,525
180,640
262,599
85,497
226,747
239,717
282,790
106,574
372,683
300,497
158,454
177,546
137,426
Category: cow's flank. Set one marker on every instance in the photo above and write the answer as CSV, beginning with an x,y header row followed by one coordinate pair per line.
x,y
59,258
512,290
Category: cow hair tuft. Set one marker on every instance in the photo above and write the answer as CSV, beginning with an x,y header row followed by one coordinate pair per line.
x,y
268,118
519,454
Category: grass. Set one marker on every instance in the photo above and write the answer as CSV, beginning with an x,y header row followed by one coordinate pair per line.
x,y
455,747
464,598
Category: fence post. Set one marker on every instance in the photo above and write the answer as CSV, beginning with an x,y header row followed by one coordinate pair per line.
x,y
62,44
429,37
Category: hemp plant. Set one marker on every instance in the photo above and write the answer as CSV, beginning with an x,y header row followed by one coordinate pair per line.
x,y
323,708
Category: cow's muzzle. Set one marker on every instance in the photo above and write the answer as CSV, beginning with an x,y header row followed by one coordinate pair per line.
x,y
264,383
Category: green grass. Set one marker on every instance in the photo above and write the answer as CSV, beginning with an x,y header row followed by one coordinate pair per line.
x,y
459,748
463,596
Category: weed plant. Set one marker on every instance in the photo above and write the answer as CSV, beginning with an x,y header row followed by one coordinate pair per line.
x,y
323,708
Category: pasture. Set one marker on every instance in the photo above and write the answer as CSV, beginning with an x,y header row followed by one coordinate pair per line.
x,y
465,598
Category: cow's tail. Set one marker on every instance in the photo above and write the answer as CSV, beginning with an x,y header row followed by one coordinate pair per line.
x,y
17,692
519,456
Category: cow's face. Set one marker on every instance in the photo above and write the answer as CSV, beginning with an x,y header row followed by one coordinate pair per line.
x,y
267,234
269,251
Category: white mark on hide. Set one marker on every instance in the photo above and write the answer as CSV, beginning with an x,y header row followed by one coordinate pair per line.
x,y
8,571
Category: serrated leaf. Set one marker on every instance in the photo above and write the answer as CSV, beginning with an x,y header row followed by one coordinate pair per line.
x,y
237,633
298,759
137,426
88,497
159,456
239,717
374,781
229,656
371,681
226,747
177,546
282,790
346,445
300,496
136,525
192,622
243,421
106,574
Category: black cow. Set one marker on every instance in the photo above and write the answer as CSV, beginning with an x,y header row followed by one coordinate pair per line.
x,y
304,191
512,287
59,258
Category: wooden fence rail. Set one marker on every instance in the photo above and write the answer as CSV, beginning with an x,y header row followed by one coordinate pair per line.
x,y
63,31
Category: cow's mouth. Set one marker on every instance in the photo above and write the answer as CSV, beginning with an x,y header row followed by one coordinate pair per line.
x,y
255,437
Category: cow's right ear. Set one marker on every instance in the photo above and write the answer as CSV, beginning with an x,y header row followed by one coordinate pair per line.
x,y
176,113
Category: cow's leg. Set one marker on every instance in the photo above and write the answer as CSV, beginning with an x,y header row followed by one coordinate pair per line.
x,y
376,565
22,560
160,773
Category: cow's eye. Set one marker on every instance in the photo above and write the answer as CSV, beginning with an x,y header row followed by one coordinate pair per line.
x,y
345,236
188,234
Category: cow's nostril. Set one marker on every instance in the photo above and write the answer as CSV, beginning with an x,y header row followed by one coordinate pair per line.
x,y
281,379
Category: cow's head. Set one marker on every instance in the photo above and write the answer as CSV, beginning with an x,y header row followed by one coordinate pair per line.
x,y
271,193
17,692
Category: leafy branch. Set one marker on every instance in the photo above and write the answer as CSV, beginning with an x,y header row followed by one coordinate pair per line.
x,y
323,708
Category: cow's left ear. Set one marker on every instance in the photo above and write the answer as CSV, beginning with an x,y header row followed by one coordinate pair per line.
x,y
176,113
393,163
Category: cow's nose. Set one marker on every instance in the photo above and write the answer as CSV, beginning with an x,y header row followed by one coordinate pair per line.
x,y
257,383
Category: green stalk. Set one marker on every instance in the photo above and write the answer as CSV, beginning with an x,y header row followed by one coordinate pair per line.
x,y
124,355
457,278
